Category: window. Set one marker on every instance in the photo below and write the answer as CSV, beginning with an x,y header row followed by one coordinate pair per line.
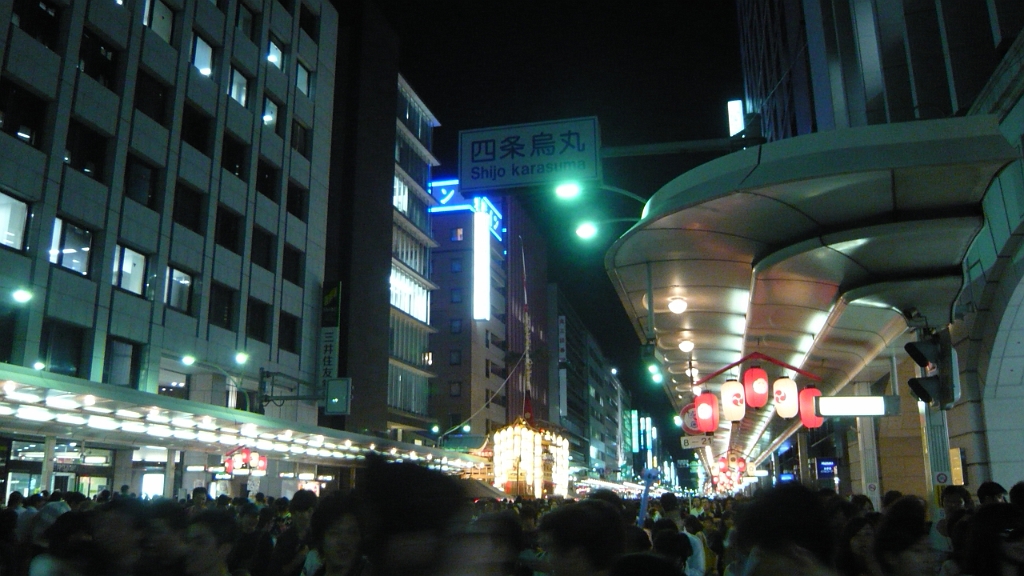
x,y
246,21
229,230
456,264
97,59
234,157
190,208
178,290
39,19
13,220
239,87
487,374
288,333
456,234
86,151
264,248
160,19
303,79
257,321
291,265
309,23
202,56
297,201
129,270
455,389
22,114
455,325
267,179
222,306
300,138
140,182
70,246
271,120
62,348
487,338
151,97
275,55
456,295
8,325
196,128
173,384
121,363
455,357
454,420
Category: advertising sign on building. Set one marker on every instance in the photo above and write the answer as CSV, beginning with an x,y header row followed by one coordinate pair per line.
x,y
529,154
561,339
330,334
826,468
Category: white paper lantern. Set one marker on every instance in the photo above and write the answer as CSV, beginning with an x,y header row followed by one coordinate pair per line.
x,y
786,397
734,406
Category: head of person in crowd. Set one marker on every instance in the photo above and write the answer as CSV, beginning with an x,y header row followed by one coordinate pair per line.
x,y
954,498
785,530
281,505
664,524
670,505
266,519
902,547
70,543
856,555
301,508
260,499
35,501
693,525
991,492
643,564
15,500
118,529
103,497
490,545
1017,495
335,534
583,538
609,496
995,541
200,497
124,490
412,513
890,498
75,500
528,515
636,540
863,504
223,501
248,517
209,538
164,540
674,547
958,527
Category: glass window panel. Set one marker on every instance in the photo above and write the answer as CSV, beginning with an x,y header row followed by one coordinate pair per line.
x,y
179,289
246,21
275,55
270,114
160,18
13,217
239,87
202,56
69,246
130,270
302,79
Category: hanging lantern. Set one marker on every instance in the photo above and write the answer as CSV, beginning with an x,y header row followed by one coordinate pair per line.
x,y
707,412
734,407
786,397
741,465
808,415
755,387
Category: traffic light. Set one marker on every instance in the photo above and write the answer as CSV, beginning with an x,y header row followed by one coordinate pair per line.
x,y
940,386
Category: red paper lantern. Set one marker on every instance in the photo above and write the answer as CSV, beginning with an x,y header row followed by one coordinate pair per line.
x,y
755,385
808,415
707,412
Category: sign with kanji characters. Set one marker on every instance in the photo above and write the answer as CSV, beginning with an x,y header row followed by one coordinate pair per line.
x,y
530,154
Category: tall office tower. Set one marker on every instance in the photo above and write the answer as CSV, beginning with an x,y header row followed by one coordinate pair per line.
x,y
821,65
378,258
470,345
163,173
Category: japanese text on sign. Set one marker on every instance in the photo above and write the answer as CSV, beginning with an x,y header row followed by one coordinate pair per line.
x,y
527,154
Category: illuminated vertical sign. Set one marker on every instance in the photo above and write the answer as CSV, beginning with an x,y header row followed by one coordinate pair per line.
x,y
561,339
735,108
481,266
634,420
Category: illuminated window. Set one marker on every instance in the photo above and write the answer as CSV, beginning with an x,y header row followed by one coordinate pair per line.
x,y
70,246
274,53
178,291
13,220
303,79
129,270
160,19
202,56
271,119
456,234
239,87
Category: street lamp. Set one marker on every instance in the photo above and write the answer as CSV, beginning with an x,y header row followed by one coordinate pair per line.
x,y
188,359
567,190
589,229
21,295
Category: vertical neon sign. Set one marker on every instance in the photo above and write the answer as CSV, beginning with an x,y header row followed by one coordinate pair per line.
x,y
481,266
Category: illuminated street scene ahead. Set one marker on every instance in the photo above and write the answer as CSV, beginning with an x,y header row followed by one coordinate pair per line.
x,y
314,287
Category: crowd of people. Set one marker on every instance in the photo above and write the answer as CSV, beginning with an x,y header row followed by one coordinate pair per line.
x,y
406,520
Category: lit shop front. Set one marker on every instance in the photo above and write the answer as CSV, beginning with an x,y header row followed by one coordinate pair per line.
x,y
64,433
530,462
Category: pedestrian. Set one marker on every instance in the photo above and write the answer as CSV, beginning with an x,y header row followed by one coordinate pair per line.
x,y
991,492
856,555
163,544
209,539
995,542
902,547
582,539
292,545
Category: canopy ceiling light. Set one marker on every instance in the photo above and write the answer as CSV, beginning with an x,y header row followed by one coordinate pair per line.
x,y
857,406
677,306
686,345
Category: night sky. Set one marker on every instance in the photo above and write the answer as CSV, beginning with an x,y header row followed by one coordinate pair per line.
x,y
651,71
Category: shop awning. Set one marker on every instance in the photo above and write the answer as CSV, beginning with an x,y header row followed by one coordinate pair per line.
x,y
46,404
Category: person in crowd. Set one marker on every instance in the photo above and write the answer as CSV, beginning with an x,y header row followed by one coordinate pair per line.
x,y
670,508
490,545
8,540
60,503
643,564
636,540
103,497
70,550
582,539
200,501
16,502
261,500
163,544
209,538
27,518
118,530
253,549
890,498
609,496
856,556
902,547
953,498
292,545
673,546
863,504
958,525
995,542
1017,495
282,517
785,530
694,527
991,493
335,535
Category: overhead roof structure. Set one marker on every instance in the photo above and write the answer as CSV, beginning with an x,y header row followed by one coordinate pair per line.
x,y
818,251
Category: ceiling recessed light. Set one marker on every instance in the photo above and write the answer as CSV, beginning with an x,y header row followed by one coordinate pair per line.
x,y
677,305
686,346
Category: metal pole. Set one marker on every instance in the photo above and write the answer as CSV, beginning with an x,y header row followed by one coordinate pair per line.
x,y
650,305
46,476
